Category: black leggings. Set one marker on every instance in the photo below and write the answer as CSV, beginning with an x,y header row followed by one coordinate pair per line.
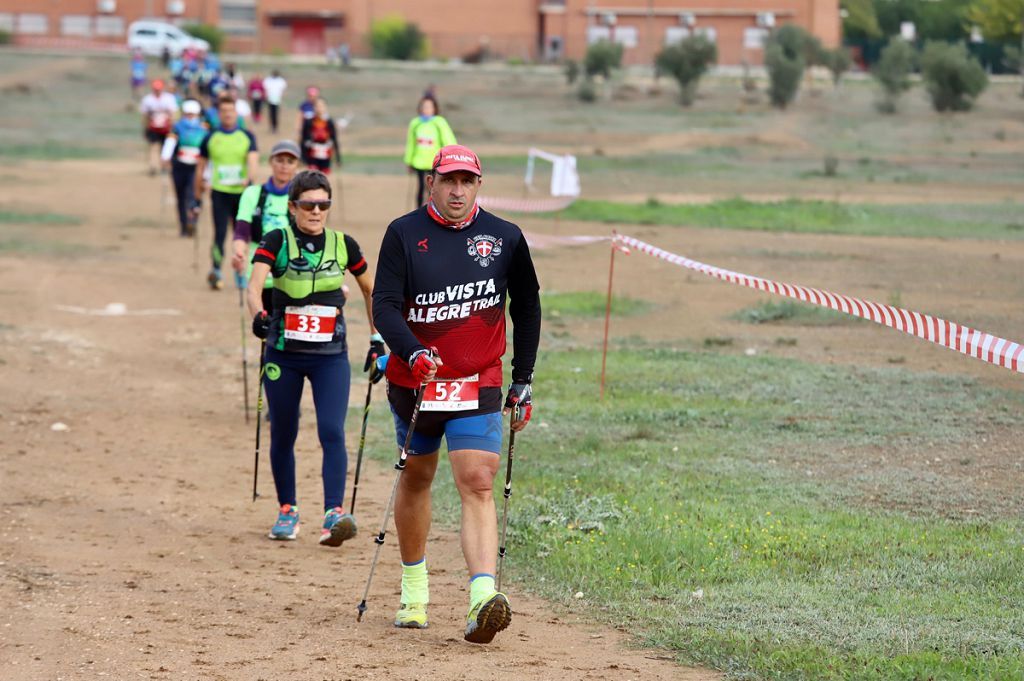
x,y
421,187
272,110
224,207
183,175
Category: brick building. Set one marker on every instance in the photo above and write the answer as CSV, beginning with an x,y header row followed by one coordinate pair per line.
x,y
525,29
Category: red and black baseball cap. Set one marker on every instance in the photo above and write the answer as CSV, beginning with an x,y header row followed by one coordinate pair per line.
x,y
457,157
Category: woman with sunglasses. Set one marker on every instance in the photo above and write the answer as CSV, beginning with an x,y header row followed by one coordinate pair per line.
x,y
306,338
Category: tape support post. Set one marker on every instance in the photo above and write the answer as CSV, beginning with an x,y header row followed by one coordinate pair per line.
x,y
963,339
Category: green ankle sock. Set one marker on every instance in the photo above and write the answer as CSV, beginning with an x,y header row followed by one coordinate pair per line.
x,y
415,587
480,587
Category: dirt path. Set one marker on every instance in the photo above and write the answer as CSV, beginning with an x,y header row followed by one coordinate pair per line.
x,y
129,547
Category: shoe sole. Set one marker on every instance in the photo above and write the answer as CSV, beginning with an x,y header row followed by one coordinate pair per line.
x,y
494,616
284,537
411,625
342,531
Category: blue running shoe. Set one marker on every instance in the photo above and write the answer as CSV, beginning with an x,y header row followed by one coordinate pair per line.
x,y
338,527
287,525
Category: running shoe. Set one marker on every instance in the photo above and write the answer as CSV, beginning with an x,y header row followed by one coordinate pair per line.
x,y
287,525
412,616
338,527
214,280
489,616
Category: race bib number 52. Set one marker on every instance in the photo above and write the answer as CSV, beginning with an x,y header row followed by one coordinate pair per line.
x,y
312,323
452,394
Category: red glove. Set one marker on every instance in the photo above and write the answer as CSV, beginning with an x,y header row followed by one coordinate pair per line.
x,y
424,364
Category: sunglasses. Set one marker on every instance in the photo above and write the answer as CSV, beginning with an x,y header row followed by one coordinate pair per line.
x,y
310,205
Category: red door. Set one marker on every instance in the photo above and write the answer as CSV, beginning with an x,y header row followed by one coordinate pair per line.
x,y
308,37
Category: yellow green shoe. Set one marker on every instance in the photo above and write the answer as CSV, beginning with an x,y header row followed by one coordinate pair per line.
x,y
489,616
412,616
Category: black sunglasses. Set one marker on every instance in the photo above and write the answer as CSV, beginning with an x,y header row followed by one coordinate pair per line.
x,y
310,205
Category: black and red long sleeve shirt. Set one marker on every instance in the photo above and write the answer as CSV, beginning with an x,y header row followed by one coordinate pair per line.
x,y
445,287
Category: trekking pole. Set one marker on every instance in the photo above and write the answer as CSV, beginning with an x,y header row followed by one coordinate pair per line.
x,y
380,364
259,412
362,443
240,283
400,466
195,240
508,493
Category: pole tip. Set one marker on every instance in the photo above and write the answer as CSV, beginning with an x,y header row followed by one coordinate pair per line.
x,y
361,608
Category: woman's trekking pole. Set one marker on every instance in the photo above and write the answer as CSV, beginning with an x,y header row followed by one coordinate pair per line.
x,y
400,466
508,493
195,241
240,284
259,412
376,372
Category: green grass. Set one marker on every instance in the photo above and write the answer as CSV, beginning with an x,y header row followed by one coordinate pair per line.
x,y
589,304
996,221
18,218
703,508
793,313
49,150
378,164
22,246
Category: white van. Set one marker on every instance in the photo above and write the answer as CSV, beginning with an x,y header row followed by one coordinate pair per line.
x,y
151,37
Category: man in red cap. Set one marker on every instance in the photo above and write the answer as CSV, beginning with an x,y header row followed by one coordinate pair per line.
x,y
443,276
158,109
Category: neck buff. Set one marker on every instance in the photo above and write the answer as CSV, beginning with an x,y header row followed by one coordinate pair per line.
x,y
435,214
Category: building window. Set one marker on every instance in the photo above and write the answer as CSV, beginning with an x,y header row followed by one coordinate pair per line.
x,y
624,35
708,32
109,26
754,38
238,14
676,34
36,24
238,17
76,24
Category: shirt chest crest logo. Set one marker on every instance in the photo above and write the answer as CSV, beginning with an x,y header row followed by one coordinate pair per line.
x,y
483,248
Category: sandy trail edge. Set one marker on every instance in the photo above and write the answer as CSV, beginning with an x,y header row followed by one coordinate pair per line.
x,y
130,548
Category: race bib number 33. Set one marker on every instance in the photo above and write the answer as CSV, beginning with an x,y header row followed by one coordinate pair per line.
x,y
312,323
454,394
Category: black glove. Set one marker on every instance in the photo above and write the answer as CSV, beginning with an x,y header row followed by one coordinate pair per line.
x,y
261,324
520,395
376,350
197,205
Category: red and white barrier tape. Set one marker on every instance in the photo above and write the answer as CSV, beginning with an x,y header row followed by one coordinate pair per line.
x,y
550,204
963,339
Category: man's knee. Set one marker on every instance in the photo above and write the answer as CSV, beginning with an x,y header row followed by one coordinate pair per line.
x,y
418,473
476,480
